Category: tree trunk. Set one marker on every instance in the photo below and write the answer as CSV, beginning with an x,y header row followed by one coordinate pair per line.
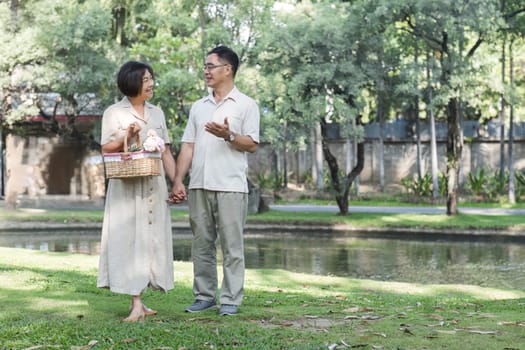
x,y
512,195
381,143
355,149
342,201
433,142
318,159
502,119
418,125
341,186
454,151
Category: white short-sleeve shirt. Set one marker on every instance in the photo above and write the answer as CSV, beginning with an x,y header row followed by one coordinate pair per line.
x,y
119,116
216,164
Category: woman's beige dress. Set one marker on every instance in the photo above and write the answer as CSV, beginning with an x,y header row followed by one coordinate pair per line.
x,y
136,244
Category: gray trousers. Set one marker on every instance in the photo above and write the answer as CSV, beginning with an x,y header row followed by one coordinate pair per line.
x,y
218,214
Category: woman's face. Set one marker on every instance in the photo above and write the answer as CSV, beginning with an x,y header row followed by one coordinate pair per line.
x,y
146,91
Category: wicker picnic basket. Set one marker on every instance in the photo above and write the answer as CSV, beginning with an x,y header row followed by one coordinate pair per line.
x,y
132,164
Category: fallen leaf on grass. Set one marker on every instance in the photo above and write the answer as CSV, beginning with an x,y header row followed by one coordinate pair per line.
x,y
482,332
436,317
476,314
370,317
352,317
406,330
352,309
475,331
129,340
504,323
344,345
383,335
431,336
91,344
440,324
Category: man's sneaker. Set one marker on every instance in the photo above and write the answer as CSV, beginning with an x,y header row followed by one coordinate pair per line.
x,y
228,310
201,305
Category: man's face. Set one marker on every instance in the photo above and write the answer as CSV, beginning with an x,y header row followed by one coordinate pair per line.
x,y
215,71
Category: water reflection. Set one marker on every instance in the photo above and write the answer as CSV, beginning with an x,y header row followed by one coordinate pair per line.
x,y
432,260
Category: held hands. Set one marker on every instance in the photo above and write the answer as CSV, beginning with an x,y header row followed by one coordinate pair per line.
x,y
177,194
219,130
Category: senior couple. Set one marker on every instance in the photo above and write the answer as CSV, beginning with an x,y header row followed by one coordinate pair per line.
x,y
136,244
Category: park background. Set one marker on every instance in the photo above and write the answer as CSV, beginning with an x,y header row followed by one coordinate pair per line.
x,y
418,97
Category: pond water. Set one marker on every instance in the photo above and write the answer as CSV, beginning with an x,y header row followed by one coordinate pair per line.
x,y
489,261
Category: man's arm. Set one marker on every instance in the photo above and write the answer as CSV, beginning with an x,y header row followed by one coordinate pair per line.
x,y
240,142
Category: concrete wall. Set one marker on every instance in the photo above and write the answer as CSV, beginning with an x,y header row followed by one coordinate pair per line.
x,y
39,166
400,159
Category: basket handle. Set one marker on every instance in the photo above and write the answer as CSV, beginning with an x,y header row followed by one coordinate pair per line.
x,y
137,137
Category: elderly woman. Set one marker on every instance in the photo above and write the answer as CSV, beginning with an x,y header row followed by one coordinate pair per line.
x,y
136,245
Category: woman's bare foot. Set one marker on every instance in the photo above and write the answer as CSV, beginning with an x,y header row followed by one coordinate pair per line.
x,y
135,315
147,311
136,310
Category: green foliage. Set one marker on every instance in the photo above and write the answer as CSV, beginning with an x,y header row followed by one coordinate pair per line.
x,y
419,186
442,183
303,61
492,186
477,181
270,182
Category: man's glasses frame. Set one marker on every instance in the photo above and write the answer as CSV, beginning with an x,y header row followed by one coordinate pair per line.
x,y
210,67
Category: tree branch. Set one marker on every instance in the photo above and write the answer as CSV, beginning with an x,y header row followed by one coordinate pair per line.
x,y
474,47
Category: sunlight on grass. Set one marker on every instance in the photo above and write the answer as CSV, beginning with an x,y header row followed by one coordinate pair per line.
x,y
256,279
285,281
17,280
438,289
57,303
393,218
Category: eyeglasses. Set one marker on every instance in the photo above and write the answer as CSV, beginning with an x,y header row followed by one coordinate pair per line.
x,y
210,67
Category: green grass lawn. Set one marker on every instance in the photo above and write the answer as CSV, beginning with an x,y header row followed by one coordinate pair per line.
x,y
50,301
515,223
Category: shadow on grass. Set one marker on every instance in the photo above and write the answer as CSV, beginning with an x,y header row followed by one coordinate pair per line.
x,y
61,308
